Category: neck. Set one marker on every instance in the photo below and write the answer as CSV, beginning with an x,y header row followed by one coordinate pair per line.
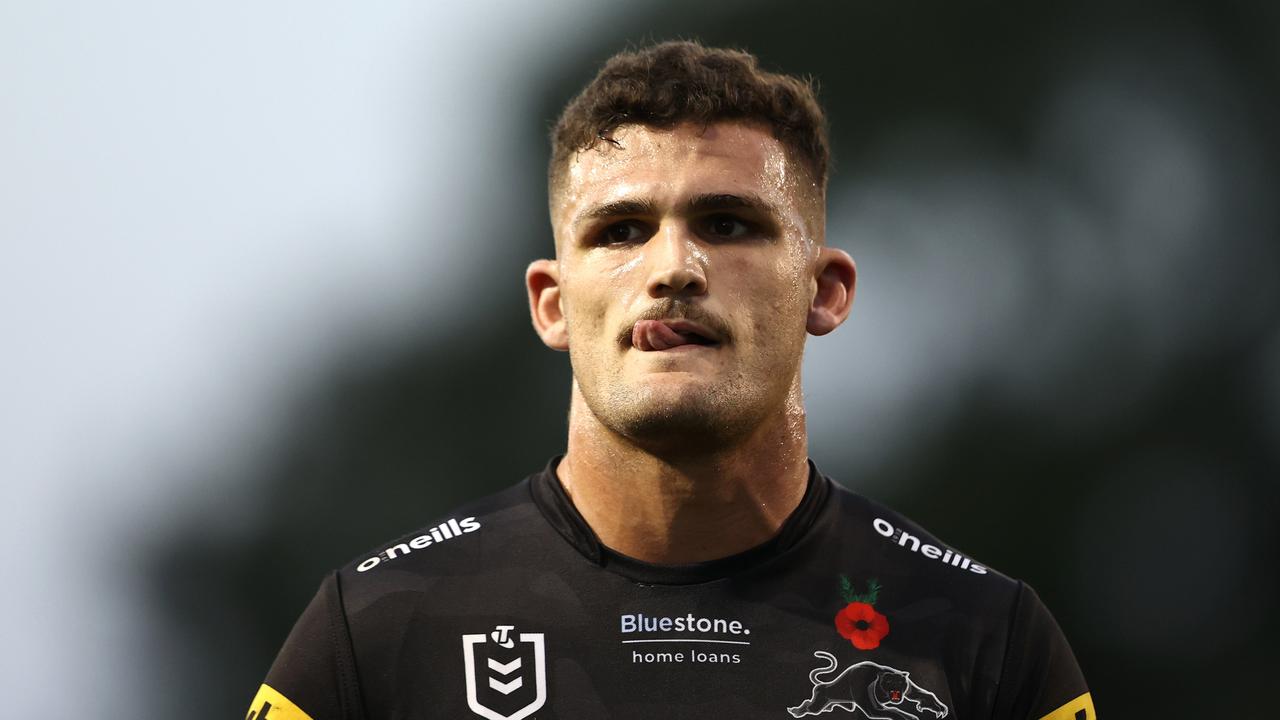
x,y
684,508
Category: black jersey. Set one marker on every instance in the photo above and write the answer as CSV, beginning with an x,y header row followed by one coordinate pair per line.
x,y
511,608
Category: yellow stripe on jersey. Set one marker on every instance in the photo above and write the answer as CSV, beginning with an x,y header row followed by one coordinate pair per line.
x,y
1079,709
269,704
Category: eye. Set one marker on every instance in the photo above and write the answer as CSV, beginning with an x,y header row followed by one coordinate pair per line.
x,y
727,227
622,233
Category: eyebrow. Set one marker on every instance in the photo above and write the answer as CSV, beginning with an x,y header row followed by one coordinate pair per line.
x,y
727,201
616,208
707,202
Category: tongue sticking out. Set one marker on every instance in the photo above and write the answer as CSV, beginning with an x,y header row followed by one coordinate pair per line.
x,y
651,335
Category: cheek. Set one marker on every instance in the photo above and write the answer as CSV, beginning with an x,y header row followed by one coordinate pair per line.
x,y
619,273
582,315
594,294
771,295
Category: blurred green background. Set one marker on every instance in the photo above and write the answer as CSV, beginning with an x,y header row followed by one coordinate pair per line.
x,y
1078,198
1064,356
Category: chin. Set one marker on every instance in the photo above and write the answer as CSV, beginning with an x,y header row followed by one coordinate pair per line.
x,y
683,414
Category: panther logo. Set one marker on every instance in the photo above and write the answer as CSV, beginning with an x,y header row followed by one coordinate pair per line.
x,y
878,691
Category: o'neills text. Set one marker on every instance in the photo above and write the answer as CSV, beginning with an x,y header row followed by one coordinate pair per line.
x,y
946,556
446,530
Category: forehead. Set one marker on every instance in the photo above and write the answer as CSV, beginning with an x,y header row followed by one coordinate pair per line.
x,y
666,165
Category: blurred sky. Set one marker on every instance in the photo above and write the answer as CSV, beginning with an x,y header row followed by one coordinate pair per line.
x,y
198,203
202,205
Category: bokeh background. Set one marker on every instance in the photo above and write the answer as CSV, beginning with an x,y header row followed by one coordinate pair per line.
x,y
262,309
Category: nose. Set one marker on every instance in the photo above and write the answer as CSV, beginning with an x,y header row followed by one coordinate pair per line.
x,y
676,264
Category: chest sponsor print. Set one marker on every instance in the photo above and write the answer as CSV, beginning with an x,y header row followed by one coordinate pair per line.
x,y
683,639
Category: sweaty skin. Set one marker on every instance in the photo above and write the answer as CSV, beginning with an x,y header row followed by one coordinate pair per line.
x,y
690,267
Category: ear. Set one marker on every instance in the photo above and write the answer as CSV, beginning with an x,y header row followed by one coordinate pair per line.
x,y
836,277
542,279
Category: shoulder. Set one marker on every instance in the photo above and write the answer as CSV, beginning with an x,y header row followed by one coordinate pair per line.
x,y
447,542
903,548
943,601
913,542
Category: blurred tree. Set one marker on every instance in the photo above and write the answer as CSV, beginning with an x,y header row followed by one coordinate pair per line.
x,y
1141,522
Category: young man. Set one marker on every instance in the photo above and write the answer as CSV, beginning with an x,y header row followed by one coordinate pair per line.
x,y
684,558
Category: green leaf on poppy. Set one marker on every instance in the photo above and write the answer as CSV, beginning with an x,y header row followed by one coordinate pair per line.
x,y
846,589
873,592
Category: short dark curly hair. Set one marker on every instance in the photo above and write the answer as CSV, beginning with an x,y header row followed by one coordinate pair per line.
x,y
681,81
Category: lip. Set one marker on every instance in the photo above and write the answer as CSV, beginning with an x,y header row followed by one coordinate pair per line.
x,y
691,347
707,338
689,327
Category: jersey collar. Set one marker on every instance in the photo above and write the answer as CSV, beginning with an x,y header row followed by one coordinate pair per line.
x,y
555,505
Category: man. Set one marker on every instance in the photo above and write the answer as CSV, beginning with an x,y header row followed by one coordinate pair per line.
x,y
684,558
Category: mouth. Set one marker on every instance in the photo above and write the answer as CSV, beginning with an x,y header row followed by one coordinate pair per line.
x,y
671,334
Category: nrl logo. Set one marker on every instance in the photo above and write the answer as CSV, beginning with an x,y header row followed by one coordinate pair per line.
x,y
503,693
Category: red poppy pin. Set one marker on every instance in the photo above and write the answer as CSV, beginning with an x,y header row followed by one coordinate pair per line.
x,y
858,622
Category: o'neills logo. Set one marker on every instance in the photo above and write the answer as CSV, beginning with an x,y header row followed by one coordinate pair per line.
x,y
944,555
446,530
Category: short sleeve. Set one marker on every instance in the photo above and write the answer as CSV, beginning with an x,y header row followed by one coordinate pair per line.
x,y
1041,679
313,676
